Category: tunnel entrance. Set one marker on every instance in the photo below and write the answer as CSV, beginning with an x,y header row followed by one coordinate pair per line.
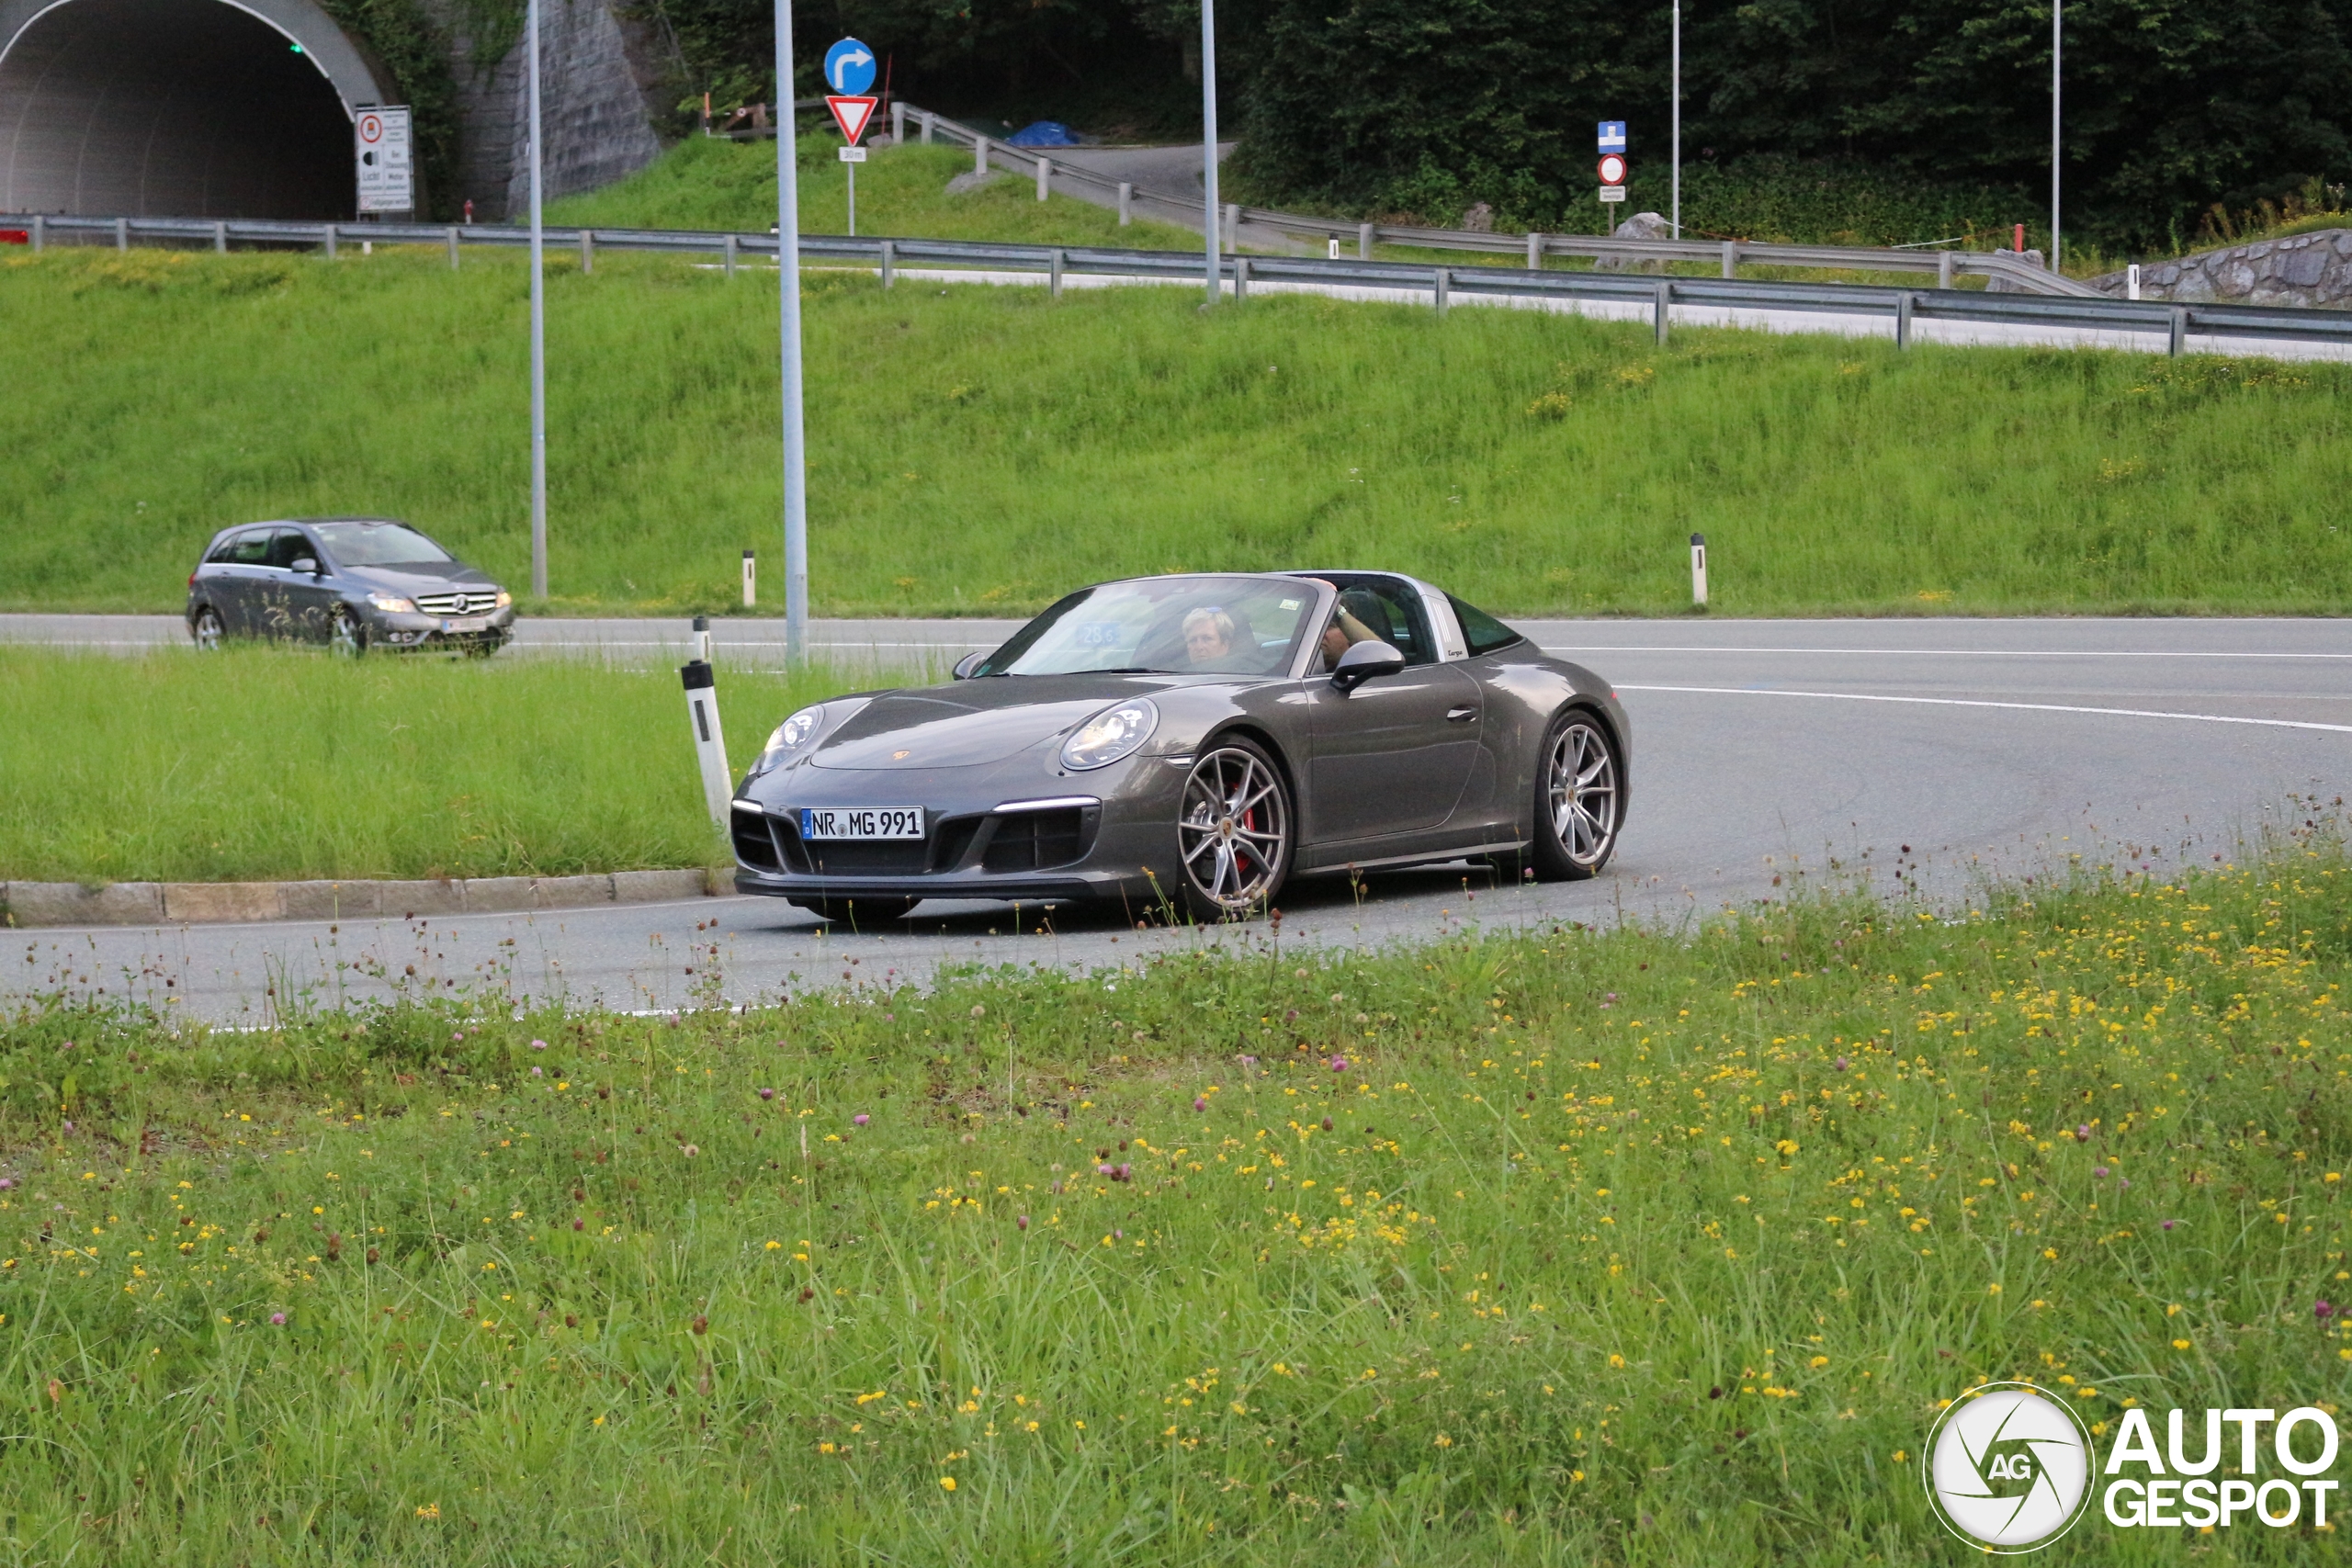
x,y
174,108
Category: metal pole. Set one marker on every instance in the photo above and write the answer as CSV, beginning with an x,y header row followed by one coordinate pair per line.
x,y
1208,141
788,248
538,341
851,169
2056,12
1676,219
1126,203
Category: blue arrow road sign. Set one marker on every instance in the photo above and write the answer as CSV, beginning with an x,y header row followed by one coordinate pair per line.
x,y
849,67
1612,131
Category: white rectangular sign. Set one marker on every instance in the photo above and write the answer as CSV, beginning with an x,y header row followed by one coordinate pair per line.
x,y
1612,193
381,146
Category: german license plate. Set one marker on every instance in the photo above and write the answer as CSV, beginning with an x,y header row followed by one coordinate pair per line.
x,y
467,624
861,822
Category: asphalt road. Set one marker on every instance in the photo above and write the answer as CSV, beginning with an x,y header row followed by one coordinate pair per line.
x,y
1923,755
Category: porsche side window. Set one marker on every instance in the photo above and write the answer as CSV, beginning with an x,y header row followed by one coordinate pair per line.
x,y
1480,631
1380,611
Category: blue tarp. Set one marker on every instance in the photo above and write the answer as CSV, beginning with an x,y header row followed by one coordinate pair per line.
x,y
1045,133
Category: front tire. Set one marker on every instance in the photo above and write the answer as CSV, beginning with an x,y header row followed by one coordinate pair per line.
x,y
1578,786
346,639
1233,831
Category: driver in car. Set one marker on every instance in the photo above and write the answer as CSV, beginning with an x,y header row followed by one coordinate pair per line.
x,y
1348,626
1209,635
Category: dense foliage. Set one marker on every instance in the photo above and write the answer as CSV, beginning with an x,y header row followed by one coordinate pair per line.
x,y
1426,105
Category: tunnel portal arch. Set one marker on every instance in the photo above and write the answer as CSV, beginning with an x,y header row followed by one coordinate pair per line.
x,y
208,108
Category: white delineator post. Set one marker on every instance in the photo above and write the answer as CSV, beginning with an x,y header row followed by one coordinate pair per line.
x,y
539,342
751,591
1045,173
710,745
2131,281
787,256
1208,141
1699,568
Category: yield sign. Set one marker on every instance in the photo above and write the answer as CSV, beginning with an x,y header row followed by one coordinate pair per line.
x,y
851,115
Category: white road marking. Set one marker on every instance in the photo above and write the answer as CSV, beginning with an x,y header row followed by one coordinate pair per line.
x,y
1933,652
1979,703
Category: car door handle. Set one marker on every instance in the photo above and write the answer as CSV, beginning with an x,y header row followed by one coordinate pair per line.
x,y
1460,716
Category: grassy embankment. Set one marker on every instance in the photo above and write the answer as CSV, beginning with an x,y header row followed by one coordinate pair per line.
x,y
1549,1247
260,764
984,448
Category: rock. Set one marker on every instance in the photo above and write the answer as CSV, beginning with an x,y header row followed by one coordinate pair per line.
x,y
1640,226
1479,219
2298,269
970,179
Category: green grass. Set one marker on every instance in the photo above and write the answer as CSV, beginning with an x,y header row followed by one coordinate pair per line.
x,y
983,449
265,764
707,183
1544,1248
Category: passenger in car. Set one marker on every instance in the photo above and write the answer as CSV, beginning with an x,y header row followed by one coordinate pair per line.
x,y
1208,636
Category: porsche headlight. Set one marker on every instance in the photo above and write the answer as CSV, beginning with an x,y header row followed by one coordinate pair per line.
x,y
789,737
1110,735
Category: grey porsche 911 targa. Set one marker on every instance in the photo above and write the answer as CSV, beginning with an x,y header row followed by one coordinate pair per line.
x,y
1183,745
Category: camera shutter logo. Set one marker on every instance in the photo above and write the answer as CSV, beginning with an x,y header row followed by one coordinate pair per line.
x,y
2007,1468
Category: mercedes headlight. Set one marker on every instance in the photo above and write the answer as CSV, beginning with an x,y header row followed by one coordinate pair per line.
x,y
1110,735
505,599
392,603
789,737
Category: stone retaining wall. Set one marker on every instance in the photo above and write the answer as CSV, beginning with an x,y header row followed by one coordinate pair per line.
x,y
207,903
2298,269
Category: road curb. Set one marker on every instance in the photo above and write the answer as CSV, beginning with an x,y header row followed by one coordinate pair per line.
x,y
36,903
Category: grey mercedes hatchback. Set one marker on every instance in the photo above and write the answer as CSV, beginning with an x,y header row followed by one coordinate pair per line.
x,y
351,582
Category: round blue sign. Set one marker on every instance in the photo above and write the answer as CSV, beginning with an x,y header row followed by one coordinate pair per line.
x,y
849,67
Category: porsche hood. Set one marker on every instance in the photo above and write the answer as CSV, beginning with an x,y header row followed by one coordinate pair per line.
x,y
972,723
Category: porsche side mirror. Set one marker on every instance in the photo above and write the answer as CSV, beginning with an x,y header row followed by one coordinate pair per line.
x,y
966,665
306,566
1363,661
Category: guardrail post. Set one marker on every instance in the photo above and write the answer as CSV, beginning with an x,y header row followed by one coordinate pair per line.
x,y
40,233
889,261
729,248
587,250
1364,242
1943,269
1534,252
979,155
1438,288
1045,173
1054,274
331,236
453,247
898,123
929,119
1731,258
123,234
1240,279
1126,203
1665,300
2179,332
1902,320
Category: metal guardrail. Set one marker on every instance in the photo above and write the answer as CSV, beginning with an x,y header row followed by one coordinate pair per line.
x,y
1656,295
1729,254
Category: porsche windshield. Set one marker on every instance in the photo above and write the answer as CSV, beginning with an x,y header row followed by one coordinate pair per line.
x,y
1174,625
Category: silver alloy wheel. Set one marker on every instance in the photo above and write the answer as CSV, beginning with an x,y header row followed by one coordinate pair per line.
x,y
343,641
1233,829
1580,789
208,630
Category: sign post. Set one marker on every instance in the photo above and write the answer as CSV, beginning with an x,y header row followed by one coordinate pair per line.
x,y
1613,160
849,70
788,258
380,147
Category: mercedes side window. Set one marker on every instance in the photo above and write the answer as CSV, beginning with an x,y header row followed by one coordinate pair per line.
x,y
248,548
288,546
1481,633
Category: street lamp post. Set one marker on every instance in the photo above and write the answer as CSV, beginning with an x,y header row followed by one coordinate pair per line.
x,y
788,258
2056,10
1208,140
1677,219
539,343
